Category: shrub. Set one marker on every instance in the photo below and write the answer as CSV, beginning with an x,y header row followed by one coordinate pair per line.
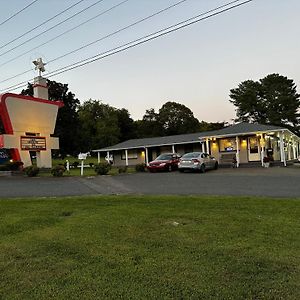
x,y
58,170
31,171
91,164
102,168
140,168
122,169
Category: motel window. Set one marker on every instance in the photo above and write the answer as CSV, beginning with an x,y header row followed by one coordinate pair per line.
x,y
132,154
227,145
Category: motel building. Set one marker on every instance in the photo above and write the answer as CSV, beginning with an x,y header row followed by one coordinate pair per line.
x,y
248,144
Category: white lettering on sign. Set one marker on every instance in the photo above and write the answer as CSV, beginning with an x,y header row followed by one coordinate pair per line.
x,y
34,143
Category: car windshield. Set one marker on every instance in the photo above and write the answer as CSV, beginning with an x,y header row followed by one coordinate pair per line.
x,y
191,155
165,157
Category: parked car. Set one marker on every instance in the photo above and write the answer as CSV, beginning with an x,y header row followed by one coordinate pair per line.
x,y
164,162
197,161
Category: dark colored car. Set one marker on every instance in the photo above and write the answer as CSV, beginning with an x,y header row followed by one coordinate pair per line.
x,y
164,162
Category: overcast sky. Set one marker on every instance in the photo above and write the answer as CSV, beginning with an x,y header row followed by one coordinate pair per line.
x,y
196,66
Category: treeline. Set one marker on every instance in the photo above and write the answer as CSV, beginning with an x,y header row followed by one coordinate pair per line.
x,y
94,124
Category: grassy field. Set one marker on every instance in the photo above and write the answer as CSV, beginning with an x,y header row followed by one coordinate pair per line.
x,y
150,248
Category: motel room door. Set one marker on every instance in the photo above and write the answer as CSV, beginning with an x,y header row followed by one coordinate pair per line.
x,y
253,148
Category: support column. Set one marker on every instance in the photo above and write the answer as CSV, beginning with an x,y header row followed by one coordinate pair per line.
x,y
126,157
99,157
173,149
294,150
146,156
262,150
289,150
282,154
207,146
40,88
202,146
237,140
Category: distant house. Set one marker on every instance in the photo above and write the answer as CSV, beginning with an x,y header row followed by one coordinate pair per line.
x,y
245,142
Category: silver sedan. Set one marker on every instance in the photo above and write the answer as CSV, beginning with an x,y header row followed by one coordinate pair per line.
x,y
197,161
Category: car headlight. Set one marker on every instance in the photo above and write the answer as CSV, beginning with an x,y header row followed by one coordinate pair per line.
x,y
162,164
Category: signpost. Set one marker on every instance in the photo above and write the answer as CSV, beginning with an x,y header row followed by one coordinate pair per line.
x,y
82,157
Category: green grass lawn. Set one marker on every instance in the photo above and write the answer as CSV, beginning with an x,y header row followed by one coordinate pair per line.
x,y
146,247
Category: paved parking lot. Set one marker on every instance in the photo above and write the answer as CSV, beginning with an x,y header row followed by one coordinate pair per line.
x,y
274,182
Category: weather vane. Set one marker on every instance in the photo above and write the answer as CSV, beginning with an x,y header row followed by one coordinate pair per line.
x,y
39,65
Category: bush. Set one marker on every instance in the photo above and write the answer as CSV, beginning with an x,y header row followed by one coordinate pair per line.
x,y
31,171
91,165
140,168
102,168
58,171
122,169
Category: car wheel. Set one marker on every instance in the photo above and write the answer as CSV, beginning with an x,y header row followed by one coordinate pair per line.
x,y
216,166
202,168
181,170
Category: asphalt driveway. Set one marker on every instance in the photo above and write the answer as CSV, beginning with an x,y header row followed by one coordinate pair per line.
x,y
274,182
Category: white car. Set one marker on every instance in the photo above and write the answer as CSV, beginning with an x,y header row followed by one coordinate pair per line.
x,y
197,161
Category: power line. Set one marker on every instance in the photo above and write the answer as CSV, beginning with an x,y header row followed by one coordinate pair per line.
x,y
17,75
65,32
18,12
96,41
120,30
43,23
56,25
139,41
144,39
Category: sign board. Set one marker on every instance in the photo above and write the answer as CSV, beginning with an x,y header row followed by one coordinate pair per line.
x,y
3,156
33,143
82,156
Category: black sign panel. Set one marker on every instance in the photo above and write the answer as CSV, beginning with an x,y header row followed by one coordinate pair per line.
x,y
33,143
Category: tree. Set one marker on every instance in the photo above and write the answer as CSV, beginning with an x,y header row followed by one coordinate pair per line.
x,y
176,118
67,124
99,125
149,125
271,100
206,126
173,118
126,125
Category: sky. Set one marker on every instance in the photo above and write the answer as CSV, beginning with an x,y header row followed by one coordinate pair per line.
x,y
195,66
